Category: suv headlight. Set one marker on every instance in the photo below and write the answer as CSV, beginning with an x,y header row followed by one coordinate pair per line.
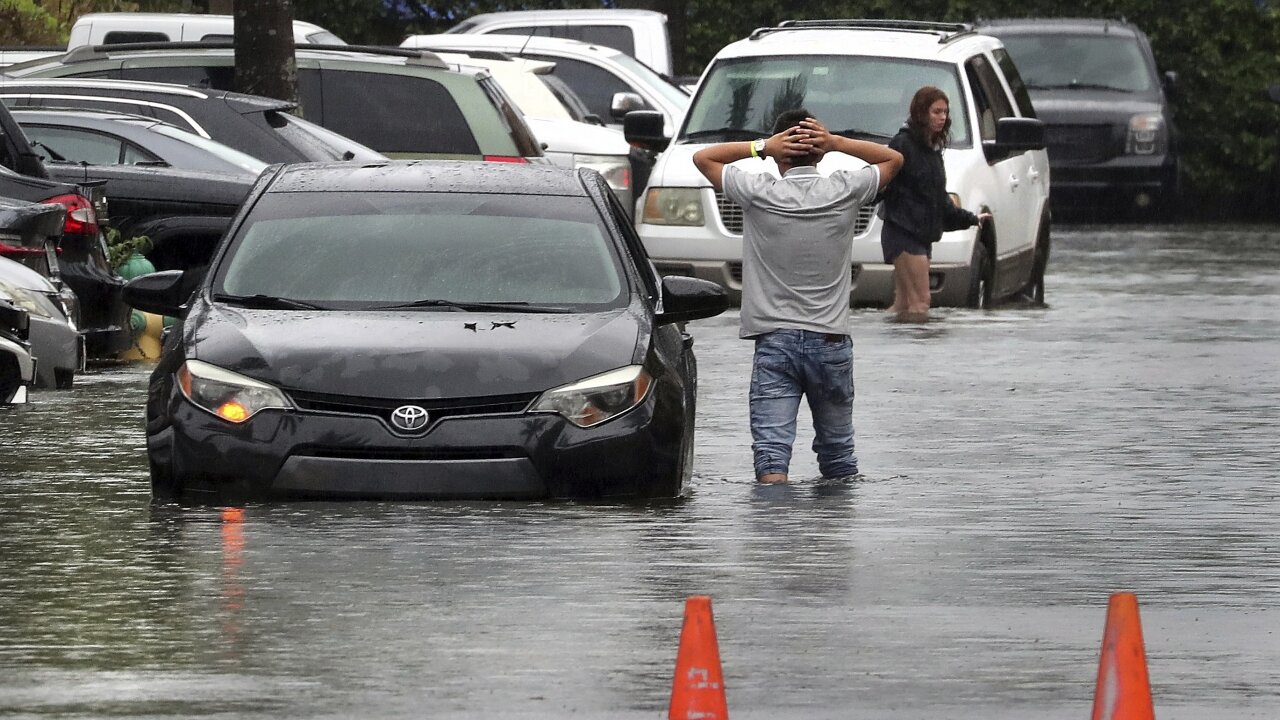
x,y
1147,134
35,303
597,399
231,396
615,169
673,206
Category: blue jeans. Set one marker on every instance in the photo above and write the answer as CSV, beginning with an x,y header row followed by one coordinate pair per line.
x,y
791,363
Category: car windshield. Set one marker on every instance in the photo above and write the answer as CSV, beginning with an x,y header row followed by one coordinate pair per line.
x,y
862,97
443,251
1109,62
217,149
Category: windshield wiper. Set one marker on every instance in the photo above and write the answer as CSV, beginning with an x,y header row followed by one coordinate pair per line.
x,y
725,134
474,306
266,302
859,134
1077,85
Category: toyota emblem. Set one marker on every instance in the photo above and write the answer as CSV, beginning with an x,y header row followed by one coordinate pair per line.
x,y
409,417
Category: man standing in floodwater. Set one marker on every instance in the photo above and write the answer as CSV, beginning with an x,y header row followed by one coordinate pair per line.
x,y
796,254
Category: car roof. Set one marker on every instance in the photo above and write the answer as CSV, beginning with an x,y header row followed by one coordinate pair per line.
x,y
519,42
455,176
595,14
948,42
102,118
1089,26
169,90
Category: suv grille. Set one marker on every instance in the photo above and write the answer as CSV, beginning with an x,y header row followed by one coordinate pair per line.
x,y
1070,144
731,215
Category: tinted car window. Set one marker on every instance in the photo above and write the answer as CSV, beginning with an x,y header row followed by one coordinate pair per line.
x,y
222,78
614,36
989,96
78,146
394,113
594,85
1011,74
133,36
371,249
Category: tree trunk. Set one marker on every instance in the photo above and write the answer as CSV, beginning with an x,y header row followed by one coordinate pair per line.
x,y
265,64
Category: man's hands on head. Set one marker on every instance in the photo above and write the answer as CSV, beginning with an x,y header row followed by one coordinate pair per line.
x,y
796,141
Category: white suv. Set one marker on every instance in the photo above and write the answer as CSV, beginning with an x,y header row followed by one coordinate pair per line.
x,y
857,77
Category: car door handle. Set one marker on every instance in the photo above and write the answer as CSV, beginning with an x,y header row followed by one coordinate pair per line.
x,y
1013,182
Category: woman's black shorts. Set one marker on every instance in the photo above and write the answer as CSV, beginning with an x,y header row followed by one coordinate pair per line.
x,y
894,241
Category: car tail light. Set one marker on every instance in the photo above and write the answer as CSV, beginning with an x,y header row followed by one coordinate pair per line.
x,y
82,218
506,158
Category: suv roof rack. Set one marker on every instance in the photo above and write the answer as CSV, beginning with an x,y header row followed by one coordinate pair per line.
x,y
946,31
93,52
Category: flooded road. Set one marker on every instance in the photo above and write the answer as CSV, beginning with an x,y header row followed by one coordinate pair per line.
x,y
1022,465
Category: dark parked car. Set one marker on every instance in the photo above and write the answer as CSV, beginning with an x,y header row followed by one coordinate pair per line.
x,y
104,137
427,329
1108,121
103,318
262,127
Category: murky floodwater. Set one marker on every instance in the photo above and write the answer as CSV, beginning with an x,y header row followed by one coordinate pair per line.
x,y
1023,464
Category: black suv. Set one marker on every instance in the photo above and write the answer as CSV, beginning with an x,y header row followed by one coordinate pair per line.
x,y
1108,123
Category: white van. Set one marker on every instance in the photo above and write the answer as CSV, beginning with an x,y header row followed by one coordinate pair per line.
x,y
858,77
113,28
642,34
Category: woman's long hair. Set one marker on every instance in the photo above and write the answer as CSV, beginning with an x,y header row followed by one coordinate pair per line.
x,y
918,117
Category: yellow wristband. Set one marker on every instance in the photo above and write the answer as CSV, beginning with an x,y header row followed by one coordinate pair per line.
x,y
755,148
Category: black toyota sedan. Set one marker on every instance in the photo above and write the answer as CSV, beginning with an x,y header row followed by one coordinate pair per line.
x,y
425,329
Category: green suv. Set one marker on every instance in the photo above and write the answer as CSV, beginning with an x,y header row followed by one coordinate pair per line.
x,y
402,103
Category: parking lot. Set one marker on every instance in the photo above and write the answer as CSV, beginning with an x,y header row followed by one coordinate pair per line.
x,y
1022,464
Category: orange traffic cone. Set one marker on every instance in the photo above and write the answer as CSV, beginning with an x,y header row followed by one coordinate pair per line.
x,y
1123,691
698,690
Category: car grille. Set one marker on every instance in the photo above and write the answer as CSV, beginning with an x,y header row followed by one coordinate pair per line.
x,y
437,409
1079,144
731,215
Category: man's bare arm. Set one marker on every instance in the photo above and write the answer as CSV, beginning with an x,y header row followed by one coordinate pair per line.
x,y
712,160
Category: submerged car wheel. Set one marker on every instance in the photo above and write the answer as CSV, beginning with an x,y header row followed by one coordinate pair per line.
x,y
1034,289
979,277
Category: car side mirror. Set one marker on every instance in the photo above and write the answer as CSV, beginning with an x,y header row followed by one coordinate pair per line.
x,y
623,103
1015,135
686,298
159,293
645,128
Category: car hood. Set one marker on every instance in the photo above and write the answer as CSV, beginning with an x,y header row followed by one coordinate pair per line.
x,y
1059,107
419,354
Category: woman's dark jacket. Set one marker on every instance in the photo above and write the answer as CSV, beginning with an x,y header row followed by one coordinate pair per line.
x,y
916,200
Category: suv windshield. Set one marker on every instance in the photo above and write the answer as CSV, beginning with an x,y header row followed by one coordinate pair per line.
x,y
1110,62
862,97
377,249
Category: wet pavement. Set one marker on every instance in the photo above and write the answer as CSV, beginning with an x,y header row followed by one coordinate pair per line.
x,y
1022,464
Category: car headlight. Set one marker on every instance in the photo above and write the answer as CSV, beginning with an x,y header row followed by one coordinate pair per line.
x,y
615,169
597,399
673,206
231,396
1147,134
35,303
